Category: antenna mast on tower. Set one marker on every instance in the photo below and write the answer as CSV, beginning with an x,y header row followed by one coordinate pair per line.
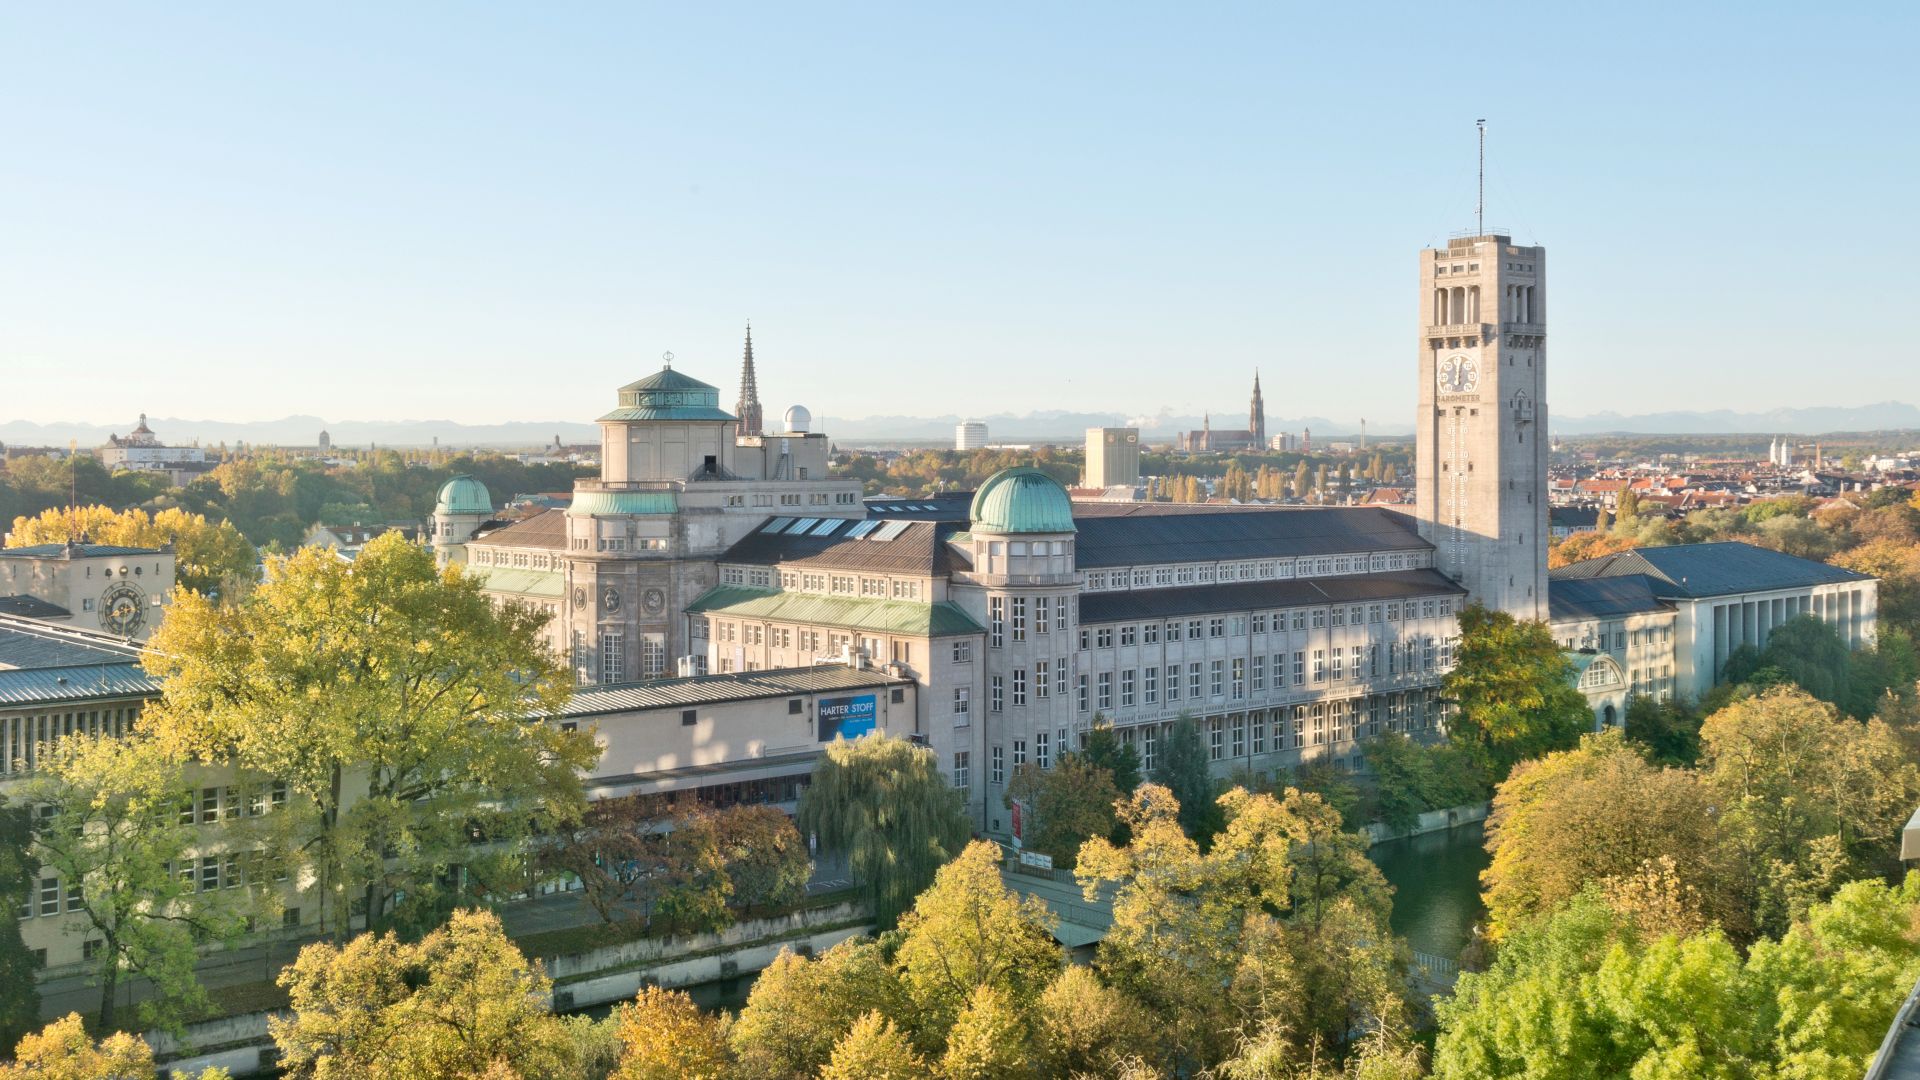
x,y
1480,201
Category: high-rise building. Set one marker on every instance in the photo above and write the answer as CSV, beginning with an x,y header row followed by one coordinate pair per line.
x,y
748,406
1481,448
970,435
1113,457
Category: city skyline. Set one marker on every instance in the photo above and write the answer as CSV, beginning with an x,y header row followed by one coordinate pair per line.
x,y
379,215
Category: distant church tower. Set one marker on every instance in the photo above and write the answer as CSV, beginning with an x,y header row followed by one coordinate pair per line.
x,y
1481,431
1257,418
748,408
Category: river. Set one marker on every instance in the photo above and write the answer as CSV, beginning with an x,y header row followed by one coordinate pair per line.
x,y
1436,887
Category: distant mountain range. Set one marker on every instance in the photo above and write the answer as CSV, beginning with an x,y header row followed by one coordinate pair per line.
x,y
1046,426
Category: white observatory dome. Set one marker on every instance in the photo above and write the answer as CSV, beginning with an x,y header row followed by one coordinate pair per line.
x,y
799,420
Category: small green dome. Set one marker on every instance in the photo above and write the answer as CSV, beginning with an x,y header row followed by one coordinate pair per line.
x,y
1023,500
463,495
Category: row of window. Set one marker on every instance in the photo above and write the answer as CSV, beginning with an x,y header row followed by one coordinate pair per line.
x,y
842,498
1007,616
231,801
1158,577
24,738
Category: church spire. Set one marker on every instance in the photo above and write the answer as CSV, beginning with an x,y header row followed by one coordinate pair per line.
x,y
748,408
1257,417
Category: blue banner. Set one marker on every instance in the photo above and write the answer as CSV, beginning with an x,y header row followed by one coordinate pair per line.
x,y
846,717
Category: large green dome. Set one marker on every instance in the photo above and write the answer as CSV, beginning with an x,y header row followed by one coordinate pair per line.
x,y
463,495
1023,500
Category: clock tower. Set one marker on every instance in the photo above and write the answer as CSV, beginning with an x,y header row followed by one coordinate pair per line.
x,y
1481,430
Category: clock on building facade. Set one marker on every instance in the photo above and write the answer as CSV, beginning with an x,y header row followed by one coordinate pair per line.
x,y
123,608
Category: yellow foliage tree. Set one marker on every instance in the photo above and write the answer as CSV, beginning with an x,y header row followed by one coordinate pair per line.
x,y
208,557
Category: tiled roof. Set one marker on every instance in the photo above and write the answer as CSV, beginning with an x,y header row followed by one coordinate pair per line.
x,y
714,689
546,529
1692,571
1603,598
1105,607
941,619
916,547
1146,537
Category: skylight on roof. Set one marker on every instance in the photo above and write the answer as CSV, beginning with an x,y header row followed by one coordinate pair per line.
x,y
890,530
826,527
776,524
863,528
800,527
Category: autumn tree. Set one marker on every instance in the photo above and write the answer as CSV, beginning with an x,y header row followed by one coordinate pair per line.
x,y
110,827
406,710
208,557
1808,798
874,1049
1063,805
884,802
764,856
1214,944
800,1008
63,1051
457,1003
1596,813
1513,688
989,1041
968,930
666,1036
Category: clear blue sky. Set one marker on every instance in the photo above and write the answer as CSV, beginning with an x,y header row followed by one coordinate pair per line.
x,y
493,212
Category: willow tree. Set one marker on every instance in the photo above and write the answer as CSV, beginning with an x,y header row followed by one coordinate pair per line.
x,y
404,709
883,801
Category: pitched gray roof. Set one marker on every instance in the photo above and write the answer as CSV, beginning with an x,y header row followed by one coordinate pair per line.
x,y
917,547
1603,598
82,551
1106,607
1694,571
1146,536
32,607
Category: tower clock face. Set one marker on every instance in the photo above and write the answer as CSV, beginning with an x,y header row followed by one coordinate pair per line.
x,y
123,608
1459,375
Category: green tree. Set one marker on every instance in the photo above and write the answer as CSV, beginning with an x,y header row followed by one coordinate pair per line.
x,y
884,802
873,1049
19,995
1596,813
109,826
458,1003
1105,749
1064,805
1669,730
405,708
1181,767
800,1008
1580,994
1514,688
1628,508
968,930
665,1036
1808,798
1811,654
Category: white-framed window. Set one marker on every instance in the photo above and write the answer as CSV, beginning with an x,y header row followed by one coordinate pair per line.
x,y
962,771
963,651
997,762
1216,678
1239,685
996,621
1019,752
1127,680
1042,751
1042,678
1173,682
1259,673
1085,701
1215,739
962,703
1105,680
1042,614
1150,684
1193,679
1019,618
1019,687
997,693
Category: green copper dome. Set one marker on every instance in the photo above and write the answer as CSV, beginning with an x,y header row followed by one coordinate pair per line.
x,y
668,395
1022,500
463,495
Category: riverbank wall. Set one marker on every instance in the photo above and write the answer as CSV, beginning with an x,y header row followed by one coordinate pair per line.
x,y
242,1045
1431,822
